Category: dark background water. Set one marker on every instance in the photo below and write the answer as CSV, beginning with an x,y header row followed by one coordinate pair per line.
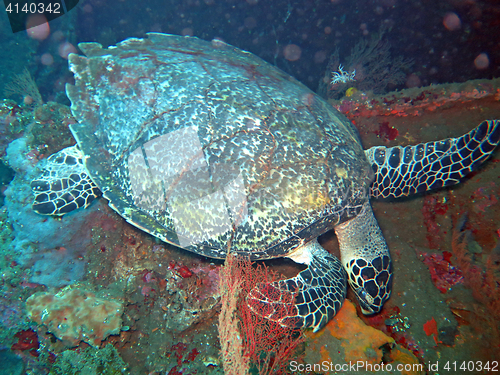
x,y
414,29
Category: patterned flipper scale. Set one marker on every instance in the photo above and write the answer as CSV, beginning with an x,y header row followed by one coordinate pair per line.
x,y
308,300
401,171
64,184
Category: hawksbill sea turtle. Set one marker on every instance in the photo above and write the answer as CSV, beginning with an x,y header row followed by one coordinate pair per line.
x,y
211,149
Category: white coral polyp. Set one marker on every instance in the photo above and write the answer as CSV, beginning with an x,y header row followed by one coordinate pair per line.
x,y
342,76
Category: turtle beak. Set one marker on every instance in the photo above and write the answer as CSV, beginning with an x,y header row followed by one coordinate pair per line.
x,y
364,301
367,312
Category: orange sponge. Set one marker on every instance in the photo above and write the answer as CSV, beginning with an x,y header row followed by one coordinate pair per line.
x,y
360,342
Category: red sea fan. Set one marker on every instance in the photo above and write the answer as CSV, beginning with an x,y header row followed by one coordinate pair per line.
x,y
266,346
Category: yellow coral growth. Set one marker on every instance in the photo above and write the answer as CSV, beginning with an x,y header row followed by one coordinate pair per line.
x,y
407,359
351,91
360,342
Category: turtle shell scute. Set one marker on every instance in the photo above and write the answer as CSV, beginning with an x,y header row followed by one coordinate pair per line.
x,y
212,149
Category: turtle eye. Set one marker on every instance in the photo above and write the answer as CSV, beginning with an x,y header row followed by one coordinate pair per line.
x,y
362,294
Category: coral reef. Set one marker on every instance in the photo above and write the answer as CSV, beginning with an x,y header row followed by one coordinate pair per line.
x,y
259,344
346,334
90,361
75,315
183,356
14,119
370,67
233,356
45,126
443,274
162,306
52,250
485,283
188,301
24,85
341,76
431,210
49,131
27,340
465,329
359,341
418,101
170,295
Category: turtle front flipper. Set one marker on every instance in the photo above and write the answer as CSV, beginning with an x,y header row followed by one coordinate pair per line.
x,y
64,184
401,171
311,298
366,259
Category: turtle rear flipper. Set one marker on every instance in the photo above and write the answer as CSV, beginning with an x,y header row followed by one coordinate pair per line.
x,y
401,171
311,298
64,184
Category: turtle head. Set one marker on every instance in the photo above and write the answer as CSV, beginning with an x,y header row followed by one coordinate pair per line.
x,y
371,281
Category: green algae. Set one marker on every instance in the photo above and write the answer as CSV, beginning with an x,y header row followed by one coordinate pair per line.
x,y
90,361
